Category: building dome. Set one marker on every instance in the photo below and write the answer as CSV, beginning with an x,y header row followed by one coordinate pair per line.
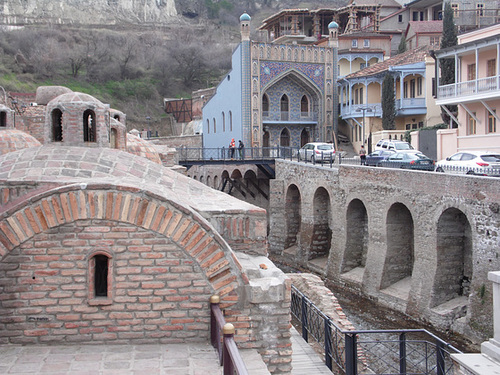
x,y
333,25
44,94
13,140
140,147
74,97
245,17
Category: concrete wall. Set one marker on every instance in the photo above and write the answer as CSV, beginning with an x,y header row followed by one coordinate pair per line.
x,y
418,242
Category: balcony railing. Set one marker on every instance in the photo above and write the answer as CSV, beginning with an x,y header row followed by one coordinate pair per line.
x,y
356,110
468,88
289,116
409,103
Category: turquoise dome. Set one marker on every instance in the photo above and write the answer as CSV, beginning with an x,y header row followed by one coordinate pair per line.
x,y
245,17
333,25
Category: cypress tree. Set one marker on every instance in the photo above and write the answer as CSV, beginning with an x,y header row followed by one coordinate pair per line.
x,y
402,45
448,39
388,103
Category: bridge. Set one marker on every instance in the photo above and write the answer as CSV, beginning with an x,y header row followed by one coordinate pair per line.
x,y
418,242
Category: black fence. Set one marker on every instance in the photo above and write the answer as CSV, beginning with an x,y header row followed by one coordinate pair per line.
x,y
409,351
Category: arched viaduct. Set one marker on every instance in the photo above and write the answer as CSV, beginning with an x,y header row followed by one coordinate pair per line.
x,y
418,242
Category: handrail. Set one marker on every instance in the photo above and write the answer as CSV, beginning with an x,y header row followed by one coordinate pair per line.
x,y
346,348
229,356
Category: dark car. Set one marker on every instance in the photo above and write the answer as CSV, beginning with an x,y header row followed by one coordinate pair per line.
x,y
409,159
376,157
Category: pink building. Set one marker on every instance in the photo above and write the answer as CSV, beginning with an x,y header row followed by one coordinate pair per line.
x,y
476,91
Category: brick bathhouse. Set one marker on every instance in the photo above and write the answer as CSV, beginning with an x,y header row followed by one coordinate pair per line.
x,y
101,245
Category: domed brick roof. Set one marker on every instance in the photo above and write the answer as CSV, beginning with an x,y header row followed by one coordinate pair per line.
x,y
74,97
12,140
140,147
44,94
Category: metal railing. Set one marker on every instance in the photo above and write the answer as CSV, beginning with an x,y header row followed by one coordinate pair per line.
x,y
226,153
222,338
408,351
477,171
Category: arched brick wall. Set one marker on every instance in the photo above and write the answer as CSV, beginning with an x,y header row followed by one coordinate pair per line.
x,y
167,261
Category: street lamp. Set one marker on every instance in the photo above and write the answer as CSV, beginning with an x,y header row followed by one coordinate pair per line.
x,y
366,109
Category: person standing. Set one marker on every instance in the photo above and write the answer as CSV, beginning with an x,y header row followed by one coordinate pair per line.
x,y
232,147
362,155
240,149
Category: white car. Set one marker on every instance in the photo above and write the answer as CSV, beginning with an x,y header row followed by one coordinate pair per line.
x,y
317,152
388,144
471,162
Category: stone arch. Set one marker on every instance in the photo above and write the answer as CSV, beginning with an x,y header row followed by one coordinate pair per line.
x,y
236,174
293,215
224,179
399,259
182,226
209,181
216,182
321,238
454,257
356,249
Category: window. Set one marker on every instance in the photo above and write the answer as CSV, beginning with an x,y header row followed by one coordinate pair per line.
x,y
434,87
89,126
3,119
455,7
405,89
230,121
419,86
265,103
284,108
412,88
434,41
355,43
492,122
471,124
471,72
400,18
480,9
57,131
361,95
420,124
304,106
215,125
208,126
223,122
100,276
366,43
491,68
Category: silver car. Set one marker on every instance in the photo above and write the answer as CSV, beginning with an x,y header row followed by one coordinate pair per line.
x,y
317,152
481,163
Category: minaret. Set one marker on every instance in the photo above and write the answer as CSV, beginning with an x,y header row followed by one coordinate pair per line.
x,y
333,42
246,87
245,27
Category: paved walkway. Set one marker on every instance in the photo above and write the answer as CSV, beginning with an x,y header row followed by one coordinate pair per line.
x,y
171,359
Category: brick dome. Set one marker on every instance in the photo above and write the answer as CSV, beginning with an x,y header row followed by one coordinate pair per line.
x,y
12,140
140,147
74,97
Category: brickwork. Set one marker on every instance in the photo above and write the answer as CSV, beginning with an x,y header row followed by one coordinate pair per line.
x,y
394,234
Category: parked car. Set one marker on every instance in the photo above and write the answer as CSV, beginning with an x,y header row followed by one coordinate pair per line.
x,y
376,157
481,163
317,152
409,159
388,144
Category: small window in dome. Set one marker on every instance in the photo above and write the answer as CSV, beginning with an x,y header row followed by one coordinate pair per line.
x,y
57,130
89,126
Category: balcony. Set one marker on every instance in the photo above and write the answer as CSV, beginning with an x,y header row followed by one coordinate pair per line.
x,y
410,106
478,89
291,117
356,110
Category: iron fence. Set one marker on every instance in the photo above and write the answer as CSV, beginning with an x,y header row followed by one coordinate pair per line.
x,y
409,351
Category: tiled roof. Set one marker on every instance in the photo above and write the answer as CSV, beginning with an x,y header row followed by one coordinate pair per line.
x,y
426,26
383,3
408,57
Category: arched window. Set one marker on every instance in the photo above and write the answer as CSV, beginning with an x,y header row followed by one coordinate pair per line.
x,y
113,138
117,118
265,105
304,106
215,125
100,279
230,121
223,122
3,119
284,107
57,132
89,126
285,138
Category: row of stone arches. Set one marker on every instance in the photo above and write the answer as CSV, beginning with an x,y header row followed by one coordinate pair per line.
x,y
311,243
